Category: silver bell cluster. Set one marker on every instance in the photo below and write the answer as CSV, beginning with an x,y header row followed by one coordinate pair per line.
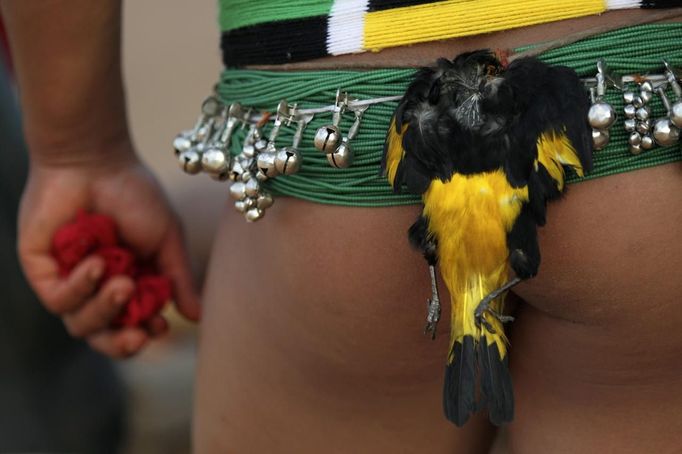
x,y
644,132
206,148
638,123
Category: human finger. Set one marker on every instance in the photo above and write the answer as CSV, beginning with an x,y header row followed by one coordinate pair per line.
x,y
119,343
64,294
99,310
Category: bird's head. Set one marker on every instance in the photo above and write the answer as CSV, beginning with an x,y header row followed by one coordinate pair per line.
x,y
466,82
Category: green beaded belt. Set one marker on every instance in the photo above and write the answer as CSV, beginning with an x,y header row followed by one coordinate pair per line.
x,y
632,50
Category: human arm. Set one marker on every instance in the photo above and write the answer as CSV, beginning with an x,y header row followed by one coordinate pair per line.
x,y
67,57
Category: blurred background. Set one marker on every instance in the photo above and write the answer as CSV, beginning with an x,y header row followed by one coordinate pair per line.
x,y
171,61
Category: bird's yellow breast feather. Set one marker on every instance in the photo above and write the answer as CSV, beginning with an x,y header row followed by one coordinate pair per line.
x,y
470,216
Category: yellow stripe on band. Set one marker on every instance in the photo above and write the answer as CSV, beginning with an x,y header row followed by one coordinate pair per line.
x,y
455,18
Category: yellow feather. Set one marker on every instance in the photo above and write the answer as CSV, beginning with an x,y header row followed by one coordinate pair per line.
x,y
394,151
470,216
556,151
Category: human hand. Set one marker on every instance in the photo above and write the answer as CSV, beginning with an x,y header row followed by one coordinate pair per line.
x,y
124,190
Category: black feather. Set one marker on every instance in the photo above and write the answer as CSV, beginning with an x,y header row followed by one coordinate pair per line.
x,y
459,390
422,240
522,243
496,385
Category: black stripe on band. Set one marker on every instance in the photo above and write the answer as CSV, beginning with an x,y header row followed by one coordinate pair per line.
x,y
275,43
378,5
661,3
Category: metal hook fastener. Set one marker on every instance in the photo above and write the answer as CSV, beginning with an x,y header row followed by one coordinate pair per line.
x,y
327,137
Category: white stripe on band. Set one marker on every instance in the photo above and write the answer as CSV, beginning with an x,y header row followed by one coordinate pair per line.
x,y
345,26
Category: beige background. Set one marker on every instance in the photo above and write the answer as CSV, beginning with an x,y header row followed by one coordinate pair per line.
x,y
171,61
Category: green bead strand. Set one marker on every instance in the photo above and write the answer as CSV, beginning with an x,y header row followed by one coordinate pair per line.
x,y
625,51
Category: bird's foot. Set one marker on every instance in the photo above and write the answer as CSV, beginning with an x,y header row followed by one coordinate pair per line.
x,y
482,308
432,316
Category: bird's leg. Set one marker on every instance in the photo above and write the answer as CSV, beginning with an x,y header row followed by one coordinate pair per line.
x,y
433,305
484,306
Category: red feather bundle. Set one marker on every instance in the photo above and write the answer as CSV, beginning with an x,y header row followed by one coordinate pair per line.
x,y
97,234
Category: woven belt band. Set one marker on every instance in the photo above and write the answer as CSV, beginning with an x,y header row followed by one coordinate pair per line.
x,y
624,51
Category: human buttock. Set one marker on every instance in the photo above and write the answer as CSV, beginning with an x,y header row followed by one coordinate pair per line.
x,y
596,346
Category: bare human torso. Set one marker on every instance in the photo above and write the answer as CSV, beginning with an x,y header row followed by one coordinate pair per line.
x,y
311,333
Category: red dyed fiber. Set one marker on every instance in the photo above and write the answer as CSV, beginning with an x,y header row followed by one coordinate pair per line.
x,y
97,234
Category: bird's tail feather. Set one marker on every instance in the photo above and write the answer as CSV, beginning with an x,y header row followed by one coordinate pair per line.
x,y
477,374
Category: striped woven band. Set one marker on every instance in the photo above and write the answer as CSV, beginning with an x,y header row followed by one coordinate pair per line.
x,y
274,32
361,185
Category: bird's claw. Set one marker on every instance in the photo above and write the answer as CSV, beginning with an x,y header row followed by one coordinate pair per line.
x,y
432,316
482,308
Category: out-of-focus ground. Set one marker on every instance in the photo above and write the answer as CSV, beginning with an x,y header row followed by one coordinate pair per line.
x,y
171,61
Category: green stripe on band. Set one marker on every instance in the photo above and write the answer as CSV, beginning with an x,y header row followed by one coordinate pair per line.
x,y
243,13
360,185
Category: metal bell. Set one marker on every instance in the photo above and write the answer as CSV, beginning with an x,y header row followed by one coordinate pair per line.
x,y
643,127
261,145
628,97
260,176
646,96
238,190
266,164
634,138
643,113
190,161
214,161
665,132
240,206
342,158
600,138
246,176
249,202
635,149
264,201
646,86
251,188
236,170
182,142
638,102
629,111
327,138
288,161
647,142
676,113
646,91
601,115
254,214
630,124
